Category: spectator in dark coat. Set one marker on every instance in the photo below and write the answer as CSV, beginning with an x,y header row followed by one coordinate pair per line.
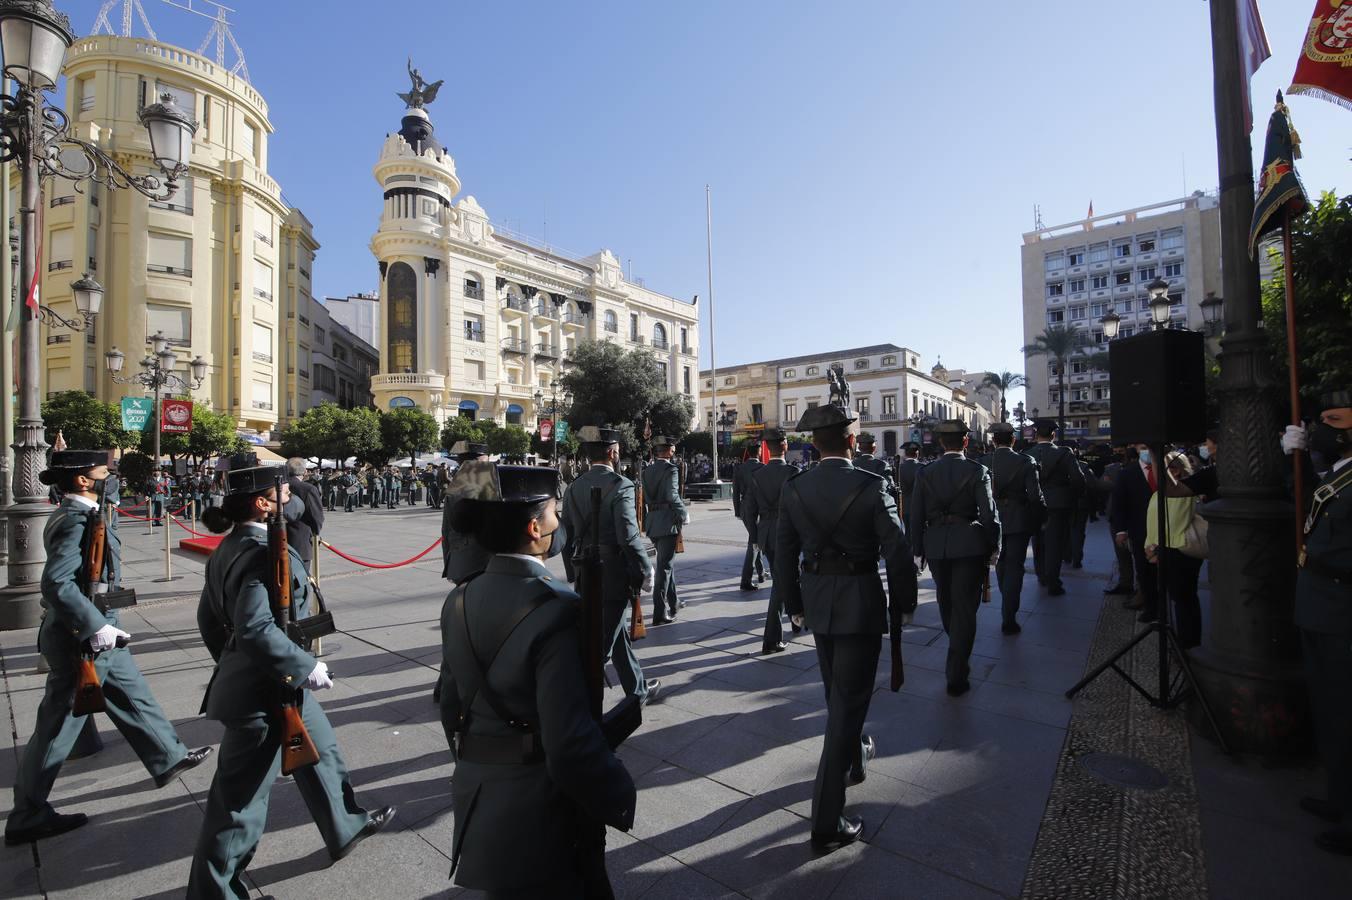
x,y
1127,515
304,512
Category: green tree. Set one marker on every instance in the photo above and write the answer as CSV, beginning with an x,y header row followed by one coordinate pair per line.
x,y
320,433
134,468
697,442
212,434
460,428
85,422
364,437
612,386
406,431
1322,270
671,414
510,440
1004,382
1059,343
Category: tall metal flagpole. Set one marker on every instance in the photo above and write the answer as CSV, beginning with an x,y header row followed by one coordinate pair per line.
x,y
6,354
713,360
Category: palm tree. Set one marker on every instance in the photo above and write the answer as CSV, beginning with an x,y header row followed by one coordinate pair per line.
x,y
1005,381
1060,343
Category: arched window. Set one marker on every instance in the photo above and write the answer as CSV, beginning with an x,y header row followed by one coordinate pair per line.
x,y
814,370
612,322
659,336
402,296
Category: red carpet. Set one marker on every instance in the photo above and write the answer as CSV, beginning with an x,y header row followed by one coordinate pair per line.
x,y
202,545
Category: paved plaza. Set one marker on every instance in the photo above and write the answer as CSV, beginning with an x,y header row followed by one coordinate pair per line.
x,y
981,796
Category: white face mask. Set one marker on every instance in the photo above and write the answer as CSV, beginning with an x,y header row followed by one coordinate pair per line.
x,y
1144,456
1203,452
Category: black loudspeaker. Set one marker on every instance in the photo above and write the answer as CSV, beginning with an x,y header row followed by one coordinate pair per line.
x,y
1159,388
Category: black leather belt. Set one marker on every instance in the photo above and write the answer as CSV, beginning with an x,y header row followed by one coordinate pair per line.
x,y
119,599
500,750
950,520
840,566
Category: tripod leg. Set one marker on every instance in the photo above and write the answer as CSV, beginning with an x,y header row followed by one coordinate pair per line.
x,y
1186,667
1108,663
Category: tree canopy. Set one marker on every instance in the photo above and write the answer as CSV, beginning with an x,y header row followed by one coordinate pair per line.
x,y
85,422
1060,343
406,431
620,388
328,431
213,434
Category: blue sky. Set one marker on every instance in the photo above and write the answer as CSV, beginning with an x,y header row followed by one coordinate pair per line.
x,y
873,164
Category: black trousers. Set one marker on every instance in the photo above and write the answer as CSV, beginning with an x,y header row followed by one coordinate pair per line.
x,y
1180,579
849,667
1051,545
1328,669
1009,573
753,565
1079,523
774,615
1126,576
957,582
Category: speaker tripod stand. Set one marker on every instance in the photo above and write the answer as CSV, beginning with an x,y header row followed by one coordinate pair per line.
x,y
1172,687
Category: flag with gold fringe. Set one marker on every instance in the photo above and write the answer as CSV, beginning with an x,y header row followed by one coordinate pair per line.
x,y
1324,69
1280,194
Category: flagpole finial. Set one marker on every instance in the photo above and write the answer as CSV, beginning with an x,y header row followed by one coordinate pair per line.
x,y
1279,96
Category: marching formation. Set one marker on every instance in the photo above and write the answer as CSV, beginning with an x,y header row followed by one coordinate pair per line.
x,y
523,654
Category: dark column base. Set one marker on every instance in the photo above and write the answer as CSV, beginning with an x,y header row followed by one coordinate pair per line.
x,y
20,601
1264,711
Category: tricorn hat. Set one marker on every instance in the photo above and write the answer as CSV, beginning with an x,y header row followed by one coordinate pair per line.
x,y
952,426
598,434
773,435
246,476
1045,427
486,482
1002,428
663,441
64,461
1335,400
463,450
828,416
910,447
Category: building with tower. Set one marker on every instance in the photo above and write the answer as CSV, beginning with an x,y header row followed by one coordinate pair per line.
x,y
474,322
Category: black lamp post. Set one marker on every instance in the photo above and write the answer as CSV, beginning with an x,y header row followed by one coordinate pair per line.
x,y
157,372
553,410
35,135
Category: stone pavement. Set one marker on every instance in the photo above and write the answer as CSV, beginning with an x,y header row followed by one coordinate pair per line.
x,y
974,797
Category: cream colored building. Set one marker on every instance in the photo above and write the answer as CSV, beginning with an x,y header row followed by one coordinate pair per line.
x,y
475,320
1075,274
205,267
888,389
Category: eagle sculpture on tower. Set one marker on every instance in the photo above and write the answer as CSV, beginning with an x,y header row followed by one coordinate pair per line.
x,y
422,92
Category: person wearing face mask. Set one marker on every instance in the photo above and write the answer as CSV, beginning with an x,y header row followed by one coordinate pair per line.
x,y
532,765
255,660
1323,609
1180,570
1135,485
1205,482
76,621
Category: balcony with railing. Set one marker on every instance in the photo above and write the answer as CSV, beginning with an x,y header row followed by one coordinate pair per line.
x,y
429,381
59,264
512,345
474,334
262,294
516,305
545,310
546,351
575,318
260,356
660,344
474,291
612,328
172,270
265,238
635,338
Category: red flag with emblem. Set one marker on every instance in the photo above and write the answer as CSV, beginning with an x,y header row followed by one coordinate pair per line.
x,y
1324,69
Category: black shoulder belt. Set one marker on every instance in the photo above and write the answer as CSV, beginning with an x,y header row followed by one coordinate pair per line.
x,y
837,517
946,512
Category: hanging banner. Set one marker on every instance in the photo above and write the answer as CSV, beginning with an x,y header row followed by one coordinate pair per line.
x,y
546,429
176,416
563,431
136,412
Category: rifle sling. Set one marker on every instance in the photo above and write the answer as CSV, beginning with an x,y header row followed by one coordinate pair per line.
x,y
836,519
478,681
945,513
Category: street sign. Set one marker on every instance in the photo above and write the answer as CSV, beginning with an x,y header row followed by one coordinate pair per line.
x,y
563,431
176,416
546,429
136,412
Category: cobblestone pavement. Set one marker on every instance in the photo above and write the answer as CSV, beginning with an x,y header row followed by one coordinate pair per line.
x,y
953,805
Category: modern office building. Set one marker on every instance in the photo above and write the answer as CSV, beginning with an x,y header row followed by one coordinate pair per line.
x,y
1075,273
888,389
476,320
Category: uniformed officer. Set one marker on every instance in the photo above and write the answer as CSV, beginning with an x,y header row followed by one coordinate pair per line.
x,y
74,621
392,485
255,662
869,463
626,563
1082,515
1324,611
752,562
834,521
955,526
532,766
664,514
1019,501
761,508
907,470
1062,484
461,557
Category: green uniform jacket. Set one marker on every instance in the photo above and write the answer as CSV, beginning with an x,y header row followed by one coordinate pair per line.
x,y
1324,584
253,656
516,824
870,463
618,526
63,577
952,512
1062,480
663,510
760,506
808,510
1017,490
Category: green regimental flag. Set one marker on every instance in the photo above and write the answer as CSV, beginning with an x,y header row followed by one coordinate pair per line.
x,y
1280,195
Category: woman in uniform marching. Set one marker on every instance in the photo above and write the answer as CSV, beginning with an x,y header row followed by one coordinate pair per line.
x,y
534,775
255,662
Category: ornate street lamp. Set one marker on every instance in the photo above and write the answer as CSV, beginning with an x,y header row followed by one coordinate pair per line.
x,y
1159,302
553,410
157,372
1212,309
1111,323
35,135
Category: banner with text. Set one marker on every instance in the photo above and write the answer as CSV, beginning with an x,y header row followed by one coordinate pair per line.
x,y
176,416
546,429
136,412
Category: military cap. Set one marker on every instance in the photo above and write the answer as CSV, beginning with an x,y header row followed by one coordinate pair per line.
x,y
1045,427
663,441
598,434
952,426
828,416
1002,428
868,440
463,450
910,447
1335,400
772,436
65,461
247,477
486,482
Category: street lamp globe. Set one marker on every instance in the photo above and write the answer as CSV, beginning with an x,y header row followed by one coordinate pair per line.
x,y
168,359
199,369
34,38
88,295
158,343
1212,307
1111,323
171,132
114,359
1159,301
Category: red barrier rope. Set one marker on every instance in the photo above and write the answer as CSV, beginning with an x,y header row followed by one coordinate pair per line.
x,y
129,515
187,529
371,565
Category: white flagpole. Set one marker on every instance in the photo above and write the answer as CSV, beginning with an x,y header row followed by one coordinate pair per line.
x,y
713,363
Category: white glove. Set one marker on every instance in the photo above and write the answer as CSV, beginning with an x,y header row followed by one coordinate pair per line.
x,y
319,679
106,638
648,582
1293,439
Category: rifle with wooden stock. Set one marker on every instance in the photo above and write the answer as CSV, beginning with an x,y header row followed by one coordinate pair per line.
x,y
298,750
637,629
88,690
